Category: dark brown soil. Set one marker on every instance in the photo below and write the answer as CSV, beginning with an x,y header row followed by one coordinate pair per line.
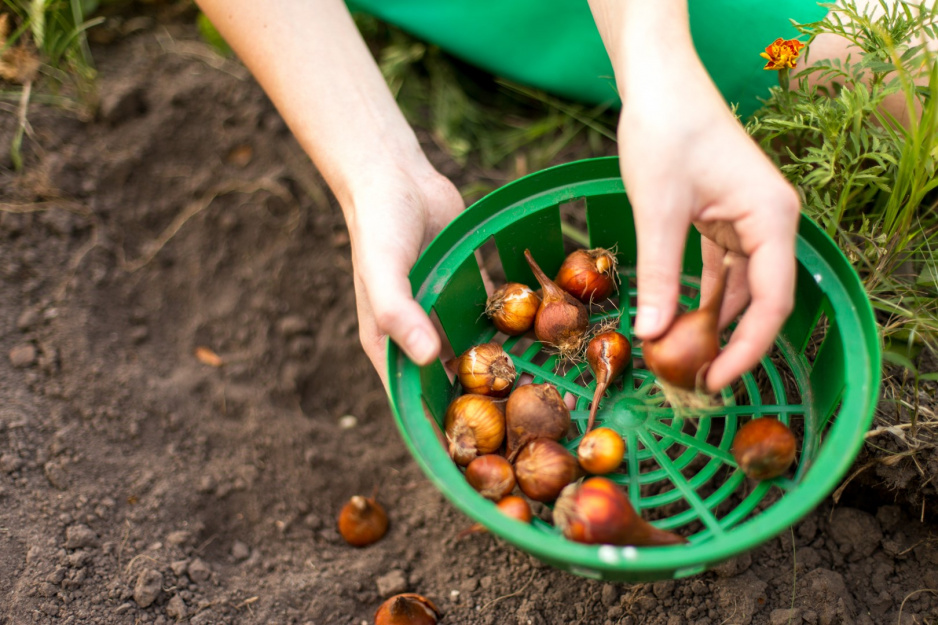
x,y
140,485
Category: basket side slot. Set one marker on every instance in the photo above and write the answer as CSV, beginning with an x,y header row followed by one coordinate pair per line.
x,y
539,232
461,306
828,374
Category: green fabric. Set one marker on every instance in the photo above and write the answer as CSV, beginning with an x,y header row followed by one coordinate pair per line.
x,y
554,45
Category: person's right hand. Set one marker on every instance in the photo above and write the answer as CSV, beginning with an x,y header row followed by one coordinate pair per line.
x,y
393,218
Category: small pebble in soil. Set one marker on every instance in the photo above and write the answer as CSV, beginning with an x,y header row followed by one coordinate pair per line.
x,y
391,583
176,608
199,571
79,537
148,587
348,422
240,551
23,355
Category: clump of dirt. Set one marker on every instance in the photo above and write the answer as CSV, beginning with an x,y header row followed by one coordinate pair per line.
x,y
141,484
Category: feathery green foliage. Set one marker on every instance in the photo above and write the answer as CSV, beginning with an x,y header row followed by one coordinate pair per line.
x,y
867,177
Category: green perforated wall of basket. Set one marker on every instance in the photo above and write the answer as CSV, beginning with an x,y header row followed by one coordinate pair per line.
x,y
822,378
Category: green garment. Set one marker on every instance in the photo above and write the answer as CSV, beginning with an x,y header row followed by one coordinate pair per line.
x,y
554,45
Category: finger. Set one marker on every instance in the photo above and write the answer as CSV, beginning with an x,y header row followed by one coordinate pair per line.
x,y
772,283
736,297
660,253
372,340
398,316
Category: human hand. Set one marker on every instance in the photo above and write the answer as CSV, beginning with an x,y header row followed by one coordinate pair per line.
x,y
685,159
392,220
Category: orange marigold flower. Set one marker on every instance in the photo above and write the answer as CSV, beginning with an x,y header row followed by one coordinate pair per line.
x,y
782,53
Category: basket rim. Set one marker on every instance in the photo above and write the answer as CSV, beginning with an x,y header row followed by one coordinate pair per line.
x,y
859,397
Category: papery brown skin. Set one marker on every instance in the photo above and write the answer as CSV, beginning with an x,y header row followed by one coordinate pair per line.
x,y
597,512
486,370
588,275
683,353
407,609
561,320
608,355
512,506
362,521
601,451
534,411
764,448
513,308
543,468
492,476
474,426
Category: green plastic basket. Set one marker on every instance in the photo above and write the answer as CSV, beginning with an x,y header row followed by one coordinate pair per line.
x,y
822,378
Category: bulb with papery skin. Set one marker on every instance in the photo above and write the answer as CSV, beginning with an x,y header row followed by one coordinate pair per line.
x,y
486,370
362,521
562,320
407,609
764,448
492,476
608,355
474,426
512,308
601,451
598,512
534,411
588,275
543,468
682,355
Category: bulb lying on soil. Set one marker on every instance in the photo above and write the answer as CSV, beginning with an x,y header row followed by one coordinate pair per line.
x,y
362,521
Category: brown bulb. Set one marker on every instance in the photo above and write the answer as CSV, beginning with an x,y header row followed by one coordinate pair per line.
x,y
486,370
407,609
682,355
608,354
512,308
764,448
512,506
543,468
534,411
474,426
562,320
362,521
492,476
597,512
601,451
588,275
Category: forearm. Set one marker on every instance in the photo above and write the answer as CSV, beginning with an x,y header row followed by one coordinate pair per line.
x,y
310,59
649,43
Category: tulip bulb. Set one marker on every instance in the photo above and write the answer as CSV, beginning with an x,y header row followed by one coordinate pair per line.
x,y
562,320
764,448
608,354
588,275
474,426
681,356
407,609
512,308
543,468
512,506
597,512
362,521
601,451
492,476
486,370
534,411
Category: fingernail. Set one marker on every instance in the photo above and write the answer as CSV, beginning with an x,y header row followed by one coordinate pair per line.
x,y
420,346
646,320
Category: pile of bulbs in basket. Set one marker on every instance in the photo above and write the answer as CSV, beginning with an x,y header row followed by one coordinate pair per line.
x,y
507,434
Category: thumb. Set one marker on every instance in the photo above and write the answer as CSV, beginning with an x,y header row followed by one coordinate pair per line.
x,y
399,316
661,239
